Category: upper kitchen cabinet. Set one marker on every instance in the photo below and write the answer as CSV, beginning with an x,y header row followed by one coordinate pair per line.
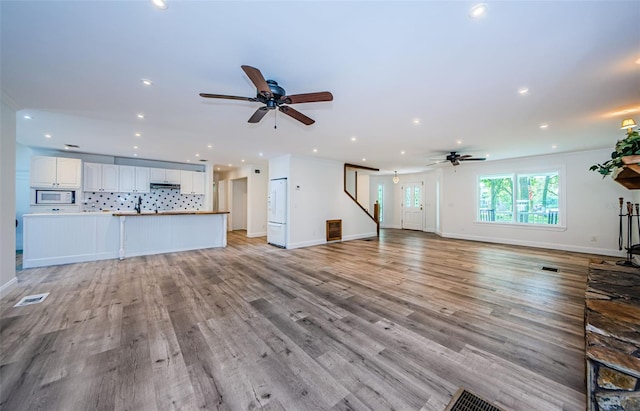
x,y
134,179
164,176
191,182
101,177
55,172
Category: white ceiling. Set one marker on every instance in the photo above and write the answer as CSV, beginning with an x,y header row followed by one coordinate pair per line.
x,y
76,68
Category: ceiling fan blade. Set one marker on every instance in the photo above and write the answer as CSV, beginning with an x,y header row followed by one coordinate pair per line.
x,y
307,97
464,157
297,115
257,116
258,80
207,95
469,158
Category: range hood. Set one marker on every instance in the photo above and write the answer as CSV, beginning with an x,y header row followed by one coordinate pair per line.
x,y
165,186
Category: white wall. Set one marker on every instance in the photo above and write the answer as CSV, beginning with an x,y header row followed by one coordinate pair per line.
x,y
363,182
589,225
316,194
257,186
8,111
23,165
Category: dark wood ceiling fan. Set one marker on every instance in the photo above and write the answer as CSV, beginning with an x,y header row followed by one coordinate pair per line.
x,y
273,96
454,158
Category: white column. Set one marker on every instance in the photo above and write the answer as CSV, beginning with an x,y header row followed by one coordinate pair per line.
x,y
7,193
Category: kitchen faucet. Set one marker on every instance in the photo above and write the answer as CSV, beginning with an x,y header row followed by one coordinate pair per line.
x,y
138,206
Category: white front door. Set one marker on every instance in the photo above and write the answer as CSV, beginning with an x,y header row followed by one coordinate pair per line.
x,y
412,206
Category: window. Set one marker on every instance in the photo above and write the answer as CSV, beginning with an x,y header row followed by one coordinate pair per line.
x,y
380,198
519,198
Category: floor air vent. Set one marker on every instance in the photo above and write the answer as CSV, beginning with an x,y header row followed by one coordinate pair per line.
x,y
31,299
545,268
467,401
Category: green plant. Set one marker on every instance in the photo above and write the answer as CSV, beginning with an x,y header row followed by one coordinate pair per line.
x,y
628,146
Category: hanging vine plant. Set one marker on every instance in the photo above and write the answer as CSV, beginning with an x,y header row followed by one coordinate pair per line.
x,y
628,146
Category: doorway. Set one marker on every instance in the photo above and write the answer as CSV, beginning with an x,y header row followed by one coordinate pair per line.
x,y
412,206
239,204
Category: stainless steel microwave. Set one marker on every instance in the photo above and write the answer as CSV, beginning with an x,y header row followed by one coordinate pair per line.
x,y
55,197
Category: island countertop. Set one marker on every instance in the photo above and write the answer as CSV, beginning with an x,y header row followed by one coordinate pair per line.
x,y
159,213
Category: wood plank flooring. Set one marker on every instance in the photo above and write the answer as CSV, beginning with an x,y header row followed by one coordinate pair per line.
x,y
395,323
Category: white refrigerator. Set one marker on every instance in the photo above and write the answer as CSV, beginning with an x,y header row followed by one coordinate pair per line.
x,y
277,213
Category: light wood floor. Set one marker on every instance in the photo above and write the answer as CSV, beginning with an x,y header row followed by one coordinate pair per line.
x,y
396,323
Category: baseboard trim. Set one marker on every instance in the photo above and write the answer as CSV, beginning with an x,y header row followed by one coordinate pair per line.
x,y
534,244
323,241
8,286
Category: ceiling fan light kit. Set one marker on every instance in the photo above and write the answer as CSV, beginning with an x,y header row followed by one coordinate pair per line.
x,y
273,96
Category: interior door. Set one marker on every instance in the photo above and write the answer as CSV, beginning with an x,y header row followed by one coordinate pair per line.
x,y
412,206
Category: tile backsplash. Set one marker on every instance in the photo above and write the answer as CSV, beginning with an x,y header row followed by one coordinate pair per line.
x,y
163,199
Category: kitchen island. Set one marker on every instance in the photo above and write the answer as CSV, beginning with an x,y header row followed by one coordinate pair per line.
x,y
57,238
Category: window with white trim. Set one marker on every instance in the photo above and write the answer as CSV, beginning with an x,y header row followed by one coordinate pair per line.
x,y
380,198
526,198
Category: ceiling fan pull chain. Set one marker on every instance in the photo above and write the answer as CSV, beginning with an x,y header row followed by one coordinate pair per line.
x,y
275,119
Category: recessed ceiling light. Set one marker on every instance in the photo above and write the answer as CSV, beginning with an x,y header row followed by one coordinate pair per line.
x,y
543,126
416,121
458,142
523,91
138,135
315,150
140,115
28,117
364,159
47,135
479,10
260,154
353,139
135,154
209,145
188,161
146,82
135,147
402,152
487,155
554,146
242,161
197,155
161,4
218,168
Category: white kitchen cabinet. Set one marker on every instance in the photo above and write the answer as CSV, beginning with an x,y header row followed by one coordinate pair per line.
x,y
191,182
134,179
198,183
164,176
101,177
55,172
